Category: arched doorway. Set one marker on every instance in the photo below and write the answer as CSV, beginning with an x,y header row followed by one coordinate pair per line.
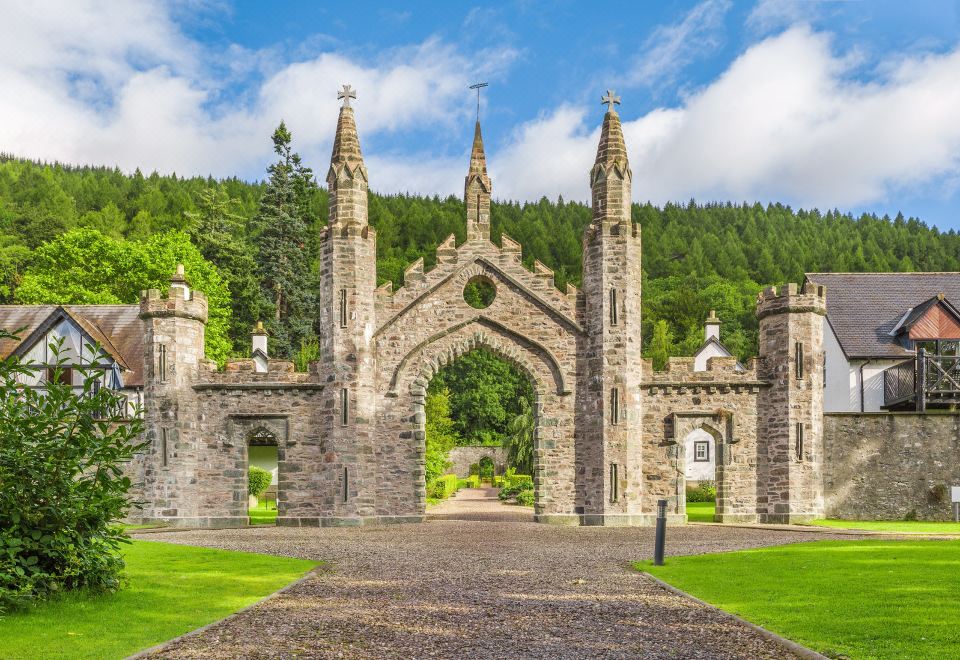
x,y
702,447
404,413
263,457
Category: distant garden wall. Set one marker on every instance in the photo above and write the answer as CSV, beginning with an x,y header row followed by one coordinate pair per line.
x,y
890,466
463,457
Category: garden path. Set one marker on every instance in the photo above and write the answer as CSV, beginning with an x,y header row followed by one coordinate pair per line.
x,y
452,588
479,504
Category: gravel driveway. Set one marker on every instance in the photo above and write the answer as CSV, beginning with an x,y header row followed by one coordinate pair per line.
x,y
449,588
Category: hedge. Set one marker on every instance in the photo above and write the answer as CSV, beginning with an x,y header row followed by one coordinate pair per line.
x,y
445,486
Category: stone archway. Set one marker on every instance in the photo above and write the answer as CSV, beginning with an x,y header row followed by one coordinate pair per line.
x,y
720,425
404,418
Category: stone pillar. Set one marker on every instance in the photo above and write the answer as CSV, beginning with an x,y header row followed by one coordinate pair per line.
x,y
347,476
790,409
609,463
174,324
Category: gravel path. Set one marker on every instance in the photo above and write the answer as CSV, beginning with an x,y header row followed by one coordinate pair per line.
x,y
479,504
479,590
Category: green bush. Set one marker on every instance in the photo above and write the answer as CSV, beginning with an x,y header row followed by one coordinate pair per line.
x,y
258,480
705,491
463,483
62,487
525,498
511,491
474,469
515,479
474,480
445,486
486,468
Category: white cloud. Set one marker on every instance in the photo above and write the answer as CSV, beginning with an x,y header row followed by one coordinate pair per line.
x,y
671,47
786,121
770,15
125,87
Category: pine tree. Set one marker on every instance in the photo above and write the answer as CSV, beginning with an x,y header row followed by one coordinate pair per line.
x,y
659,350
284,245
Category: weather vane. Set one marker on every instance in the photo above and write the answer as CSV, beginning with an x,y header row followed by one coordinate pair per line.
x,y
609,100
478,87
346,94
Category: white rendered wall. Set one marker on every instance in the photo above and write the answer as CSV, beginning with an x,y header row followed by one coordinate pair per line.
x,y
709,351
842,391
700,471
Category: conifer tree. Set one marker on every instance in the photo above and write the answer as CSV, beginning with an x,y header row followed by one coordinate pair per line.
x,y
284,244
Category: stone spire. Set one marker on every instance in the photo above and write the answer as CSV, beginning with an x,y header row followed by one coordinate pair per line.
x,y
611,177
476,191
347,177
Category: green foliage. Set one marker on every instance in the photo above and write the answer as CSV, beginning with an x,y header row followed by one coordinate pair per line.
x,y
62,487
705,491
473,481
525,498
444,486
258,480
441,437
519,438
660,345
486,392
85,267
309,352
514,486
479,293
486,468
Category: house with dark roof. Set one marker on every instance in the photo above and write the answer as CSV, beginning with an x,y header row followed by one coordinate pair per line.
x,y
892,341
107,338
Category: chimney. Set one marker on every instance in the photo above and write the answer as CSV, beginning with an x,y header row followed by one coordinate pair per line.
x,y
178,282
712,327
259,338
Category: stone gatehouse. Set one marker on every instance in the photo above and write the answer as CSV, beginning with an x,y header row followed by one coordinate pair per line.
x,y
609,430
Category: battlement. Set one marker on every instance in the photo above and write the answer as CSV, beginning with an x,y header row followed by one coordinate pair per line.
x,y
243,371
681,369
791,298
178,301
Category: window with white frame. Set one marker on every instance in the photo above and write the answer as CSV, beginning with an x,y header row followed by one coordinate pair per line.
x,y
701,451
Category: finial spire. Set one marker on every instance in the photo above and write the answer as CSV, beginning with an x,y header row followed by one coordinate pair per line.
x,y
476,190
478,86
346,94
610,100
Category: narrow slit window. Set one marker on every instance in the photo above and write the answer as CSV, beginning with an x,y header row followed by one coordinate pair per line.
x,y
346,484
613,307
163,361
614,405
343,308
614,483
344,406
798,356
799,441
164,454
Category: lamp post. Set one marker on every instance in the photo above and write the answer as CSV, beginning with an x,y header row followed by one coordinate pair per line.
x,y
661,533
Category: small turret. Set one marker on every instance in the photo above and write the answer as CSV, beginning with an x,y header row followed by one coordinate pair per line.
x,y
347,176
476,191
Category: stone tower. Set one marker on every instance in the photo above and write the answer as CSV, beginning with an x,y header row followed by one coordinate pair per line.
x,y
609,395
174,324
790,409
348,369
476,191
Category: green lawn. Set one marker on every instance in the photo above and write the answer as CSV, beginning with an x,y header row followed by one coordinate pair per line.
x,y
923,526
701,511
172,589
265,513
862,599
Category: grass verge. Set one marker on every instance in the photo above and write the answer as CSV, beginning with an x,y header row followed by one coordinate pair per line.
x,y
172,589
265,513
861,599
921,526
701,511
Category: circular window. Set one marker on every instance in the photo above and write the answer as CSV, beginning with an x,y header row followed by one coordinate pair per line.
x,y
479,292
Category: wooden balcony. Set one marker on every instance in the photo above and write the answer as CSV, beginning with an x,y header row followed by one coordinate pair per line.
x,y
927,381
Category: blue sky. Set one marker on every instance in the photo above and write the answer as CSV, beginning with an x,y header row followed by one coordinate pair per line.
x,y
854,105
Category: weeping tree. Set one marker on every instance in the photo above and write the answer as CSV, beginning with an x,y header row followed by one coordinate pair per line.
x,y
519,439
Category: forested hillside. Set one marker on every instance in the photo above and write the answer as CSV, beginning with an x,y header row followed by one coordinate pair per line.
x,y
696,257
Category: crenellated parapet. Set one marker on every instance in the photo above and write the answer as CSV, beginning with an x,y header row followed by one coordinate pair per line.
x,y
723,374
791,298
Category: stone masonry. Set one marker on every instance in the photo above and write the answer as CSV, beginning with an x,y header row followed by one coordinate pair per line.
x,y
609,430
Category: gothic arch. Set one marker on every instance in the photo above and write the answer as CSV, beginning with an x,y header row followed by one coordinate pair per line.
x,y
720,425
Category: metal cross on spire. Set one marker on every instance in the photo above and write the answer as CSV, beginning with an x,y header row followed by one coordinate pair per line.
x,y
346,94
609,100
478,86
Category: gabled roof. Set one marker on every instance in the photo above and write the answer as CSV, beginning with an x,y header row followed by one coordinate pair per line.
x,y
117,328
713,341
920,312
863,309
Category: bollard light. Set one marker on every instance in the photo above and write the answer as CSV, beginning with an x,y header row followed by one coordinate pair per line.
x,y
661,533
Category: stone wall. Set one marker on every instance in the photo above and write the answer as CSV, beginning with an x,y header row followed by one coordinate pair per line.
x,y
889,466
463,457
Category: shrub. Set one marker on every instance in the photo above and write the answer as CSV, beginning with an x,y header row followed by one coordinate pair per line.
x,y
62,486
258,480
705,491
474,480
474,469
515,479
514,489
525,498
463,483
445,486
